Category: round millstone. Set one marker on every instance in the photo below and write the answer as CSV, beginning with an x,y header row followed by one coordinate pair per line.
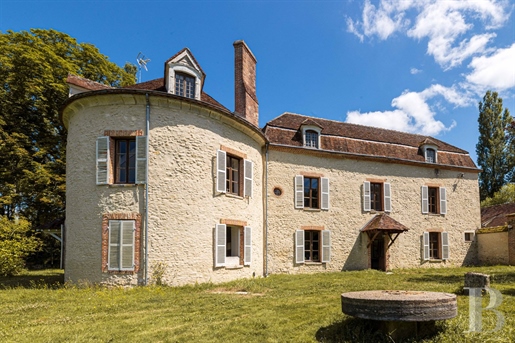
x,y
410,306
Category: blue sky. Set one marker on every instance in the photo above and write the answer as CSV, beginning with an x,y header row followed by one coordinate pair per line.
x,y
410,65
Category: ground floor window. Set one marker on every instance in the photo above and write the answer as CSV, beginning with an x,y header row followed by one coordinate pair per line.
x,y
312,246
233,245
436,245
121,242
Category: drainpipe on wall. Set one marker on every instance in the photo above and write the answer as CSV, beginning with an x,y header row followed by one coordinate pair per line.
x,y
266,210
147,133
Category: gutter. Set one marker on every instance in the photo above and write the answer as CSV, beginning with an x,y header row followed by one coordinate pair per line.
x,y
266,209
147,132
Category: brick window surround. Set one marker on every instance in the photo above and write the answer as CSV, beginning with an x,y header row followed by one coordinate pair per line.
x,y
113,135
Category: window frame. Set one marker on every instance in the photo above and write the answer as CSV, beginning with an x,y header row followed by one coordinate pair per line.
x,y
436,246
471,237
384,198
309,248
324,245
107,222
185,80
244,245
323,194
311,139
312,129
131,163
224,175
439,200
313,194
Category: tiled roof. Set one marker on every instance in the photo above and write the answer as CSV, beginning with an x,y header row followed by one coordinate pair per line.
x,y
385,223
86,83
363,140
495,215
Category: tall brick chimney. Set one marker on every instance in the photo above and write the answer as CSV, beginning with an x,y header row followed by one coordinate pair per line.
x,y
245,99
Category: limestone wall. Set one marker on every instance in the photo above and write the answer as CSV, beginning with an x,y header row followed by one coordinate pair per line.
x,y
493,248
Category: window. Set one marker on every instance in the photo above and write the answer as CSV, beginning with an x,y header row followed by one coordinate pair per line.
x,y
312,246
430,155
436,246
233,245
468,236
185,85
121,242
311,139
234,174
311,192
125,162
377,196
434,200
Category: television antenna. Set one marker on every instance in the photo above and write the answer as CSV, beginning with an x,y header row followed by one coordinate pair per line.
x,y
142,62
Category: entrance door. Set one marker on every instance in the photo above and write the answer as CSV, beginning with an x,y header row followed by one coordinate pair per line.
x,y
377,254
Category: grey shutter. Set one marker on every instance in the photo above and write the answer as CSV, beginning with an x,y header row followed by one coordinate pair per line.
x,y
387,198
141,159
366,196
220,245
247,171
326,245
426,246
221,177
325,192
299,192
445,246
127,245
102,151
113,256
299,246
247,251
425,199
443,201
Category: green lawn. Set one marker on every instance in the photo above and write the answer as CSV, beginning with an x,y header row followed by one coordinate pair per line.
x,y
35,307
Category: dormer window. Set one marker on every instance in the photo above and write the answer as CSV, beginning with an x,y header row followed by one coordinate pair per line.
x,y
311,139
185,85
430,155
183,75
311,134
429,150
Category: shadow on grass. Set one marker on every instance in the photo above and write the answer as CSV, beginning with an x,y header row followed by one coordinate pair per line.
x,y
49,278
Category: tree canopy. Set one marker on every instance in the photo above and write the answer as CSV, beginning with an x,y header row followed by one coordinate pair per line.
x,y
33,70
505,195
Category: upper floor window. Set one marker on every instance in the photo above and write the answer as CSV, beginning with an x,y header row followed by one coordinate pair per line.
x,y
233,169
234,174
377,196
434,200
125,162
430,155
311,139
185,85
311,192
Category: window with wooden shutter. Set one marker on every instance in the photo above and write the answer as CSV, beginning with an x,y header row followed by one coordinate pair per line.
x,y
325,192
102,160
387,197
425,246
220,245
425,199
121,245
326,246
445,246
221,177
299,246
366,196
299,191
141,159
443,201
247,185
247,253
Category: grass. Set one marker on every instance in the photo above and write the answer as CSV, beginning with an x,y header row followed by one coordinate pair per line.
x,y
35,307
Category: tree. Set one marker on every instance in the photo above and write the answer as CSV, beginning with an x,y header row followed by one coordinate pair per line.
x,y
493,153
33,70
505,195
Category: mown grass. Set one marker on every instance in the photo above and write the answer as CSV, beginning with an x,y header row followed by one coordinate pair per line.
x,y
281,308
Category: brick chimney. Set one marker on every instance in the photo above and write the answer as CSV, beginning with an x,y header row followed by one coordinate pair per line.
x,y
245,100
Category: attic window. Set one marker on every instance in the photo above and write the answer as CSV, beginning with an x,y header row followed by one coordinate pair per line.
x,y
311,136
185,85
430,155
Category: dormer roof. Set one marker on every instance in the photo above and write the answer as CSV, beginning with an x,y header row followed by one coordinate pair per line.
x,y
311,122
428,141
184,58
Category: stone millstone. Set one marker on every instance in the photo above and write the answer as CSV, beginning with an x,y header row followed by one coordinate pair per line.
x,y
409,306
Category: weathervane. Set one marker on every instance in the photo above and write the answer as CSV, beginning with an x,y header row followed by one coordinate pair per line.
x,y
142,62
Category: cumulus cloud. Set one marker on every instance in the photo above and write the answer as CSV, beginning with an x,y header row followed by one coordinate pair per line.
x,y
496,71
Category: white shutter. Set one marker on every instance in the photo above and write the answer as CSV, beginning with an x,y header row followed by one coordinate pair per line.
x,y
425,199
221,177
325,192
247,171
387,198
366,196
247,239
326,245
102,160
443,201
445,246
141,159
113,256
426,246
299,193
299,246
127,245
220,245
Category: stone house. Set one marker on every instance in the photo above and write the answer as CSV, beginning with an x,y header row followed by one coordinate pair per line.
x,y
164,182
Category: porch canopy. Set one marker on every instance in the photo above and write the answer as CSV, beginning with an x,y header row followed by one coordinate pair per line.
x,y
383,223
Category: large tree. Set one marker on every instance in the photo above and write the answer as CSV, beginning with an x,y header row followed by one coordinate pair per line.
x,y
33,70
493,148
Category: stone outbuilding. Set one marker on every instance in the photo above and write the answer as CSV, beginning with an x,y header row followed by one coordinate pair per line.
x,y
496,238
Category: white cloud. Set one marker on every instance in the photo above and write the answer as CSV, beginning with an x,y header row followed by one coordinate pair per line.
x,y
496,71
415,71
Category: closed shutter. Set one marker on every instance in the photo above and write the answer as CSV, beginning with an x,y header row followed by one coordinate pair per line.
x,y
247,239
247,185
220,245
113,257
443,201
387,198
102,160
425,199
366,196
141,159
445,246
299,246
425,250
325,192
221,177
299,192
127,245
326,245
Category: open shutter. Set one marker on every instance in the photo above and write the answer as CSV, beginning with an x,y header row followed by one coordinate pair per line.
x,y
299,194
103,160
426,246
387,198
325,193
425,199
247,171
299,246
366,196
326,245
127,245
221,166
141,159
443,201
445,246
220,245
247,239
113,257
